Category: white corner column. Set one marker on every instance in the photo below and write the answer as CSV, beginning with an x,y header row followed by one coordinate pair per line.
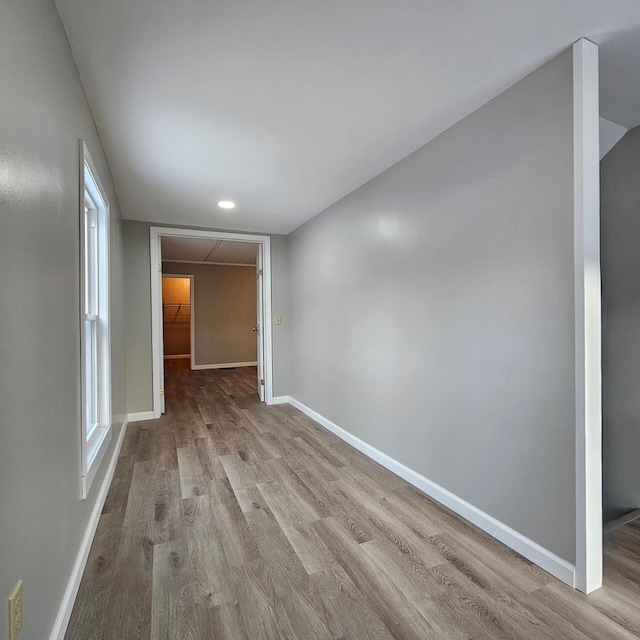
x,y
588,368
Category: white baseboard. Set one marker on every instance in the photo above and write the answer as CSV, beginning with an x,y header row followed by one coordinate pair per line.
x,y
183,356
526,547
68,600
224,365
280,400
621,521
142,415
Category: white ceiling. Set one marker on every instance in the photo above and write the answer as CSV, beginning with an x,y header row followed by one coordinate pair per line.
x,y
286,106
208,250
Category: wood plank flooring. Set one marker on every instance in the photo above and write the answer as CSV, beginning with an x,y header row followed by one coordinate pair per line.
x,y
231,520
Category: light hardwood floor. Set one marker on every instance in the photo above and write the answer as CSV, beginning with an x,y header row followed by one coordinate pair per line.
x,y
232,520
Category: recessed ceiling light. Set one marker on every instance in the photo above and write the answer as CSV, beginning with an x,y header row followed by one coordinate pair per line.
x,y
227,204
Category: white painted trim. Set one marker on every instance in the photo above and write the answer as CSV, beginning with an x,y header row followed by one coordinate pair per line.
x,y
621,521
280,400
223,365
587,297
260,324
157,330
140,416
211,264
182,356
68,600
155,266
531,550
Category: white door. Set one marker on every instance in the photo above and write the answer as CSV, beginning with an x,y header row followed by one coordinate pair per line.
x,y
259,324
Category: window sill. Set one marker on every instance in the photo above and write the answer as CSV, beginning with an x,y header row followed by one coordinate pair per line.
x,y
96,449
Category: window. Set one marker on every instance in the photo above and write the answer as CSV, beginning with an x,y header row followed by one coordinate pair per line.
x,y
94,322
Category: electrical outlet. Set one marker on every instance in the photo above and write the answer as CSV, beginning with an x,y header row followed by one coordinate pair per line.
x,y
15,611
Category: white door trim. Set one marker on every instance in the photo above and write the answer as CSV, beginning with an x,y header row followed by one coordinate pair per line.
x,y
260,324
192,337
588,361
155,270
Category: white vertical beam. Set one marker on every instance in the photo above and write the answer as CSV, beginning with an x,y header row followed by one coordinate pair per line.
x,y
155,253
267,319
588,372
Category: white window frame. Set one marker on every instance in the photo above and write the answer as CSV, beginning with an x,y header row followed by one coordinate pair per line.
x,y
94,312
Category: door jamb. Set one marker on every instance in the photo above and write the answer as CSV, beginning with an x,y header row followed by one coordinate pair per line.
x,y
155,270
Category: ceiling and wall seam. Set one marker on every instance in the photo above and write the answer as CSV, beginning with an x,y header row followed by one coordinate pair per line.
x,y
306,103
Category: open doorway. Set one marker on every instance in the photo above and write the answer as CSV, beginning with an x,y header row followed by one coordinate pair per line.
x,y
211,299
177,321
620,228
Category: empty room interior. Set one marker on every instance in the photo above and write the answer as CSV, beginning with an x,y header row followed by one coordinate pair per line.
x,y
210,309
320,321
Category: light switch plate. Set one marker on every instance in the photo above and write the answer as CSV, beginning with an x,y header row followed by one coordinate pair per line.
x,y
277,319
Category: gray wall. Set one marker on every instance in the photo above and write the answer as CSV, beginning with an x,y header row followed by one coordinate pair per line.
x,y
432,310
620,255
225,311
43,113
138,314
281,303
137,301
